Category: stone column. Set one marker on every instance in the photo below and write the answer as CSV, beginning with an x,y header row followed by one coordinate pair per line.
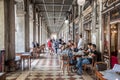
x,y
80,19
36,27
94,31
100,26
27,25
31,25
34,23
2,28
73,28
118,55
9,29
39,28
94,16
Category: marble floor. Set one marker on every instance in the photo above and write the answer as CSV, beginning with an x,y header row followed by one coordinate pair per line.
x,y
47,67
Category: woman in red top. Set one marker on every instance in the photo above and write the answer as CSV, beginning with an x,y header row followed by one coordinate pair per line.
x,y
50,46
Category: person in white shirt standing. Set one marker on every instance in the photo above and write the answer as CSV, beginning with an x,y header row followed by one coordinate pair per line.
x,y
80,43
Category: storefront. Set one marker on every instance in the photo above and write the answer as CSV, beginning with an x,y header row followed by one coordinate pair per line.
x,y
111,28
87,28
87,21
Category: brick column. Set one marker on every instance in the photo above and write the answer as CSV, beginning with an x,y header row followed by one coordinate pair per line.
x,y
27,25
9,29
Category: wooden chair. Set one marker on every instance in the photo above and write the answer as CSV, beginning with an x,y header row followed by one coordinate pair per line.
x,y
91,66
34,53
100,66
65,62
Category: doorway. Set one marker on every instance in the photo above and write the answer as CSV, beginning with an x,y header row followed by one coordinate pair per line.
x,y
114,39
88,36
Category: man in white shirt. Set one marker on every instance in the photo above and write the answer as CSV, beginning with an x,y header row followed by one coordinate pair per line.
x,y
80,43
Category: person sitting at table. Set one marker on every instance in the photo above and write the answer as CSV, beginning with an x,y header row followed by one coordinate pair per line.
x,y
88,50
87,60
68,51
74,47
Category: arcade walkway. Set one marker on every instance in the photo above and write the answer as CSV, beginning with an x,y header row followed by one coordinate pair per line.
x,y
47,67
24,22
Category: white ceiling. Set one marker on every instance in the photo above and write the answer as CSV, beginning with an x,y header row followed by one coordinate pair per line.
x,y
54,12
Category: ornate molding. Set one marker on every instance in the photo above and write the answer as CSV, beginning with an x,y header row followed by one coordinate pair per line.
x,y
20,8
87,11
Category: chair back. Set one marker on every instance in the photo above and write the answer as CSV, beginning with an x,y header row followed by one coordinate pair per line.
x,y
100,66
65,59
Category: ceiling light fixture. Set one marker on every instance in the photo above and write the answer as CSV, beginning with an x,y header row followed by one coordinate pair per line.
x,y
80,2
66,21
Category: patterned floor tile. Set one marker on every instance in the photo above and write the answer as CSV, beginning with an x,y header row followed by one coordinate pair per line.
x,y
46,68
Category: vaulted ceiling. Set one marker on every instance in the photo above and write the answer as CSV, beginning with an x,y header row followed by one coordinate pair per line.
x,y
54,12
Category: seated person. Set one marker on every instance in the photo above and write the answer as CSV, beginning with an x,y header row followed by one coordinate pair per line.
x,y
88,60
88,50
74,47
68,51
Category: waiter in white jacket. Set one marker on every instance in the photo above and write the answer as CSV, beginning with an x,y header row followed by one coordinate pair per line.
x,y
80,43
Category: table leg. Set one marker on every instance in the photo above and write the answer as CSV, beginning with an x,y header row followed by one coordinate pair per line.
x,y
23,64
28,63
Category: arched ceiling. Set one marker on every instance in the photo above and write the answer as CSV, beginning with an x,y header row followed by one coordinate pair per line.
x,y
54,12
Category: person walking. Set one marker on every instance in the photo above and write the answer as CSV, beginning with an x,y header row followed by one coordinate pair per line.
x,y
56,46
50,46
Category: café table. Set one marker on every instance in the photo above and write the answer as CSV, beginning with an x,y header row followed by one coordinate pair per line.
x,y
25,56
107,75
2,76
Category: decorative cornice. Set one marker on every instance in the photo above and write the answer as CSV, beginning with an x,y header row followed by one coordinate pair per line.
x,y
87,11
19,0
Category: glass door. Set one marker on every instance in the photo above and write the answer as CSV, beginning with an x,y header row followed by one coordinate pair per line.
x,y
114,39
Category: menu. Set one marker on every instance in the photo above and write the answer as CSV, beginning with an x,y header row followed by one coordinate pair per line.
x,y
116,68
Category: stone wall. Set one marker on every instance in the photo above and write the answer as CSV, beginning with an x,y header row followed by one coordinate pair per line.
x,y
31,33
44,34
20,35
64,33
19,31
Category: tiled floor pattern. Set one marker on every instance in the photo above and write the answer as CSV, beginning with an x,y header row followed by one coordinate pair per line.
x,y
54,75
45,68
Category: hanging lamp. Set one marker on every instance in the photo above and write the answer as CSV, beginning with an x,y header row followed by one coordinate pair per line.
x,y
80,2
